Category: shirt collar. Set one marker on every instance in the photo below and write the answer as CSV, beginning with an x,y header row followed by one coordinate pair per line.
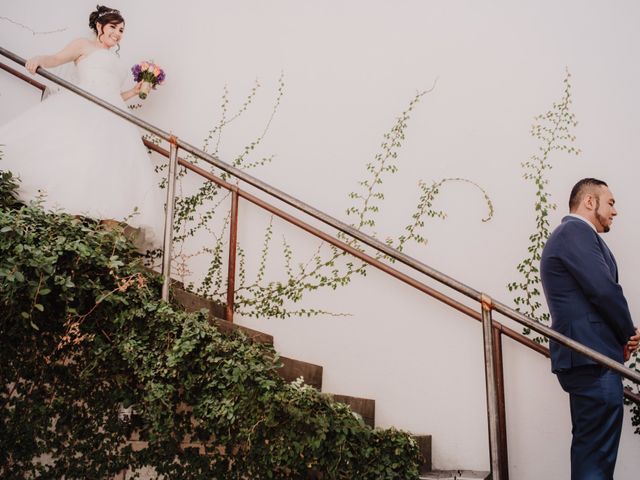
x,y
584,220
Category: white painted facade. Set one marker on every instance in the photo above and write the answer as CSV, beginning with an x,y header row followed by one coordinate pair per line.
x,y
350,68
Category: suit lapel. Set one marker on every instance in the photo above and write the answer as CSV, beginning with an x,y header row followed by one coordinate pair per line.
x,y
608,256
611,261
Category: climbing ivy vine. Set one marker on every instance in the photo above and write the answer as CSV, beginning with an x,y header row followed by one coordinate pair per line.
x,y
553,131
206,210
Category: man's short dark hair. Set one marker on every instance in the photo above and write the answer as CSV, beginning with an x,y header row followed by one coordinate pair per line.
x,y
582,187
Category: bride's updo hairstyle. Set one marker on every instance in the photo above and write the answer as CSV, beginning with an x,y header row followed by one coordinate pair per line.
x,y
104,16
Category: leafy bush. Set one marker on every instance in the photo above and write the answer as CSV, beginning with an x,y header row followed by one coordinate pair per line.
x,y
8,185
84,340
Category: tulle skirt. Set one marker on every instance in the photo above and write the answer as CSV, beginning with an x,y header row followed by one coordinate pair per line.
x,y
84,160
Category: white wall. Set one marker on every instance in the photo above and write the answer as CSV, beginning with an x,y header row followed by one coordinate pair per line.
x,y
350,68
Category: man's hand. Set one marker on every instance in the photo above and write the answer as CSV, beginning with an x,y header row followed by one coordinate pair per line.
x,y
632,345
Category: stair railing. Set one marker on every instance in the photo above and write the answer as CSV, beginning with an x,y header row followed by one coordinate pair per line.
x,y
492,331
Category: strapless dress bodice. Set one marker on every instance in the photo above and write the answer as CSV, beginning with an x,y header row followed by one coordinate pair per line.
x,y
101,73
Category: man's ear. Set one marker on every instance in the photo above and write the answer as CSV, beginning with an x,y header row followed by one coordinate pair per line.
x,y
589,201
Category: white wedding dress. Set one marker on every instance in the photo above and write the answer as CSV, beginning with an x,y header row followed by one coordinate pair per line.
x,y
83,159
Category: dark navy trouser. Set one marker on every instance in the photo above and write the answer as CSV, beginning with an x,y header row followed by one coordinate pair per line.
x,y
597,404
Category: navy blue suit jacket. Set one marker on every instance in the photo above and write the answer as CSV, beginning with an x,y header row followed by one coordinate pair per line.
x,y
580,281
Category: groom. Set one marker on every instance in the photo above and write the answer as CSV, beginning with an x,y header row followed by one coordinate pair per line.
x,y
580,281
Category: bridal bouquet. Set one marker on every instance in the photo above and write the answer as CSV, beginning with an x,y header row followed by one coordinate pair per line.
x,y
150,74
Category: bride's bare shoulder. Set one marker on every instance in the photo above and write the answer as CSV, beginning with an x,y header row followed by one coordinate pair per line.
x,y
75,50
81,44
72,51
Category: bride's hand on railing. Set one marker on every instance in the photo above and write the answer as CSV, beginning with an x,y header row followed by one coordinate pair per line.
x,y
33,64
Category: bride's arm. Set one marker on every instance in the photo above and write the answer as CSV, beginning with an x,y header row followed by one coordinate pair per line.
x,y
127,94
68,54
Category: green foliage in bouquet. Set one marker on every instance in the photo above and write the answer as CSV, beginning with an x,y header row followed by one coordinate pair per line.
x,y
97,376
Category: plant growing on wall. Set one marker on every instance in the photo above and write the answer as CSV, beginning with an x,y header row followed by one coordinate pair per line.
x,y
553,130
370,196
327,266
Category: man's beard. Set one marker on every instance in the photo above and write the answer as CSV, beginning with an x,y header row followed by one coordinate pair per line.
x,y
600,218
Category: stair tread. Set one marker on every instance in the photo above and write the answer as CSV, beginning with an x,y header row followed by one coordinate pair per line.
x,y
190,301
292,369
253,335
193,302
424,447
455,475
365,407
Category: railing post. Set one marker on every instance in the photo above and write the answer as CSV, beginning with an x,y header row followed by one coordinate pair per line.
x,y
233,241
502,413
491,388
168,220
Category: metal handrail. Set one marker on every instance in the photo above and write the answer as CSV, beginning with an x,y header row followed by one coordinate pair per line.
x,y
523,340
491,330
24,77
341,226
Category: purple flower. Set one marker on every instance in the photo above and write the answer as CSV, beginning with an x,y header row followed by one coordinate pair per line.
x,y
136,70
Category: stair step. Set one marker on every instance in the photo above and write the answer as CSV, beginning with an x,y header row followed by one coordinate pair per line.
x,y
293,369
365,407
190,301
424,447
253,335
175,283
456,475
218,310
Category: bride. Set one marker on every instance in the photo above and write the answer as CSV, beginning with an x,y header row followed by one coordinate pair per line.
x,y
78,157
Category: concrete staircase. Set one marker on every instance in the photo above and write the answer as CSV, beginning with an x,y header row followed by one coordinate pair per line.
x,y
293,369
